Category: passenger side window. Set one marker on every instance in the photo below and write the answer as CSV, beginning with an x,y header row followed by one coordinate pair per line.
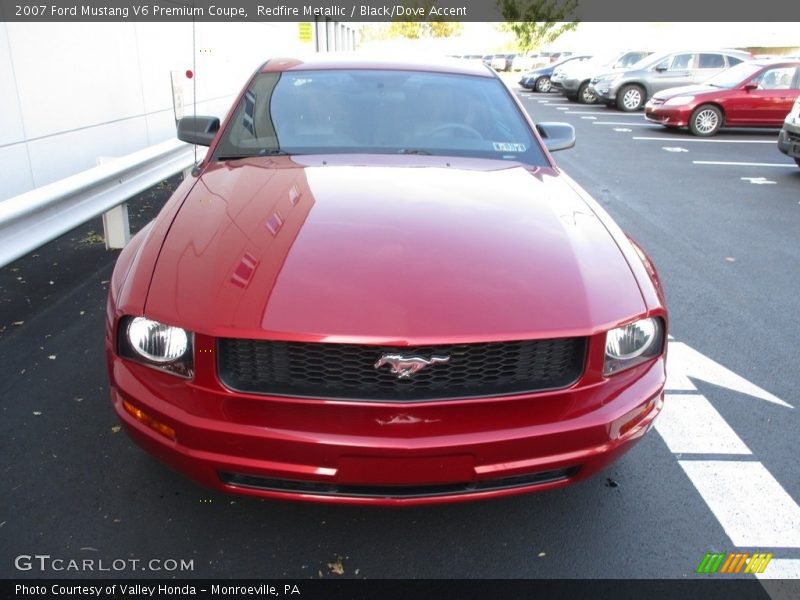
x,y
733,60
711,61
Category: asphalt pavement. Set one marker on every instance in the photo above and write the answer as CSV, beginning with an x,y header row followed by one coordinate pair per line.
x,y
725,240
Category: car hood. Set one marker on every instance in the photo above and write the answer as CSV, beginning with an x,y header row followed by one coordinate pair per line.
x,y
687,90
413,250
540,72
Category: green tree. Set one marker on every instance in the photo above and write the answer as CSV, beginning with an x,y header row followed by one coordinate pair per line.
x,y
415,28
538,22
407,29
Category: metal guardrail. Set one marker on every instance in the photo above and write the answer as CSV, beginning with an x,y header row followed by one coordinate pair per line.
x,y
34,218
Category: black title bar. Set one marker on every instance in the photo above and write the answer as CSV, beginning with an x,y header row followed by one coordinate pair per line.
x,y
386,10
713,588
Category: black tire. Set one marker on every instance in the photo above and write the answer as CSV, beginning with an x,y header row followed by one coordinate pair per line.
x,y
585,95
542,85
631,97
706,120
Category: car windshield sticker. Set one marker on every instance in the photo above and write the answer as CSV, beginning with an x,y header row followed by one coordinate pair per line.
x,y
508,147
249,110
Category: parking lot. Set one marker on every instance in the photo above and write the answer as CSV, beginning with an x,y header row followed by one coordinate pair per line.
x,y
720,218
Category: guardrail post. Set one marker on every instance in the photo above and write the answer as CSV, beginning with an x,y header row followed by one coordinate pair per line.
x,y
116,226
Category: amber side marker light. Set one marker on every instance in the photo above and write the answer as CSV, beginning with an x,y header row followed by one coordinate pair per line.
x,y
638,415
146,419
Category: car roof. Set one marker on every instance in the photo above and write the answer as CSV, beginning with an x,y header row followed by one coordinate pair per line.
x,y
766,62
357,61
729,51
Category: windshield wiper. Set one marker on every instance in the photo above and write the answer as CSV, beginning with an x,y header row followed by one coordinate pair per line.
x,y
273,152
261,152
413,151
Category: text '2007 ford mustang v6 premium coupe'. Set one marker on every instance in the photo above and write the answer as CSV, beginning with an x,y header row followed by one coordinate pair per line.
x,y
377,287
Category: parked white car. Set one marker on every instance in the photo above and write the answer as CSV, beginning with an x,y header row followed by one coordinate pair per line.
x,y
525,62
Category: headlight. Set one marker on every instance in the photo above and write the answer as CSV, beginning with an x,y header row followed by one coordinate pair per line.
x,y
632,344
679,100
157,345
795,113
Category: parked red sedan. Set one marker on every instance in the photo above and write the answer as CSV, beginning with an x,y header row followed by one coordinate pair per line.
x,y
377,287
758,93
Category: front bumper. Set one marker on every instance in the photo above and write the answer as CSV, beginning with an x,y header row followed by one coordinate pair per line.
x,y
670,116
566,86
385,453
789,138
604,92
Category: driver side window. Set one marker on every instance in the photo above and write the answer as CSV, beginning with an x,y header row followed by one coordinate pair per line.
x,y
775,79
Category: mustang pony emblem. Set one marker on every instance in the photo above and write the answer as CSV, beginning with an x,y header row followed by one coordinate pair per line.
x,y
405,366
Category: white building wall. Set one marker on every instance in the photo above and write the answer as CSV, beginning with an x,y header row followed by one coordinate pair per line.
x,y
73,92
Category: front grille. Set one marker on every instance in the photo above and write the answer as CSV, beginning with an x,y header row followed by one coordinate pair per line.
x,y
394,491
792,136
319,370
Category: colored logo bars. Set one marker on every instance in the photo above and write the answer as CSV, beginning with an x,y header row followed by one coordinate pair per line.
x,y
734,562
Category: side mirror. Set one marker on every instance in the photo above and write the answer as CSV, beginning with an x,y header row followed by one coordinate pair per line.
x,y
661,68
198,130
557,136
748,87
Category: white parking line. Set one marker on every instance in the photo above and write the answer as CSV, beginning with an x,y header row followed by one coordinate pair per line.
x,y
758,180
741,164
626,124
686,362
606,113
588,118
689,424
749,503
782,568
672,139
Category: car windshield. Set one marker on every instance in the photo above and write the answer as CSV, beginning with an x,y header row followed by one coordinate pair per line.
x,y
364,111
647,61
568,59
733,76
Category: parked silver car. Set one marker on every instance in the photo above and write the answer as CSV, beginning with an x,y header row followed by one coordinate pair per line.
x,y
630,89
572,79
789,137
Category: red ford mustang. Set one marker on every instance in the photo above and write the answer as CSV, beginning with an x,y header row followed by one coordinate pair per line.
x,y
758,93
377,287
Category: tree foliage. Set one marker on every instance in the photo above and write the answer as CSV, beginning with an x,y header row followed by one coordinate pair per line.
x,y
538,22
413,28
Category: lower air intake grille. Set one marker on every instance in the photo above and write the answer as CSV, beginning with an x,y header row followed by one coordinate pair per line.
x,y
394,491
